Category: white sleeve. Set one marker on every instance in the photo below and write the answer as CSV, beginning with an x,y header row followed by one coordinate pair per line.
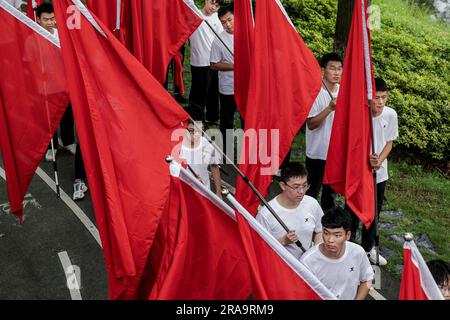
x,y
315,110
318,214
392,129
263,221
366,273
216,52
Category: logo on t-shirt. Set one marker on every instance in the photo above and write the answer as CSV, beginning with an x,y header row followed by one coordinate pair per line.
x,y
307,219
352,269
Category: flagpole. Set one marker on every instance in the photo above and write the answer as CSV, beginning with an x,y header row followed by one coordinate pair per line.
x,y
218,37
326,88
375,221
248,182
118,18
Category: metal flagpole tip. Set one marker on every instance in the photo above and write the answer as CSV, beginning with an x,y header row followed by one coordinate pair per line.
x,y
225,191
169,159
408,237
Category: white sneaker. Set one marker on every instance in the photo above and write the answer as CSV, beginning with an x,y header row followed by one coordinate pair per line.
x,y
372,255
72,148
79,189
49,155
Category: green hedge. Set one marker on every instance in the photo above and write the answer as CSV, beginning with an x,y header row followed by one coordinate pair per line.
x,y
411,53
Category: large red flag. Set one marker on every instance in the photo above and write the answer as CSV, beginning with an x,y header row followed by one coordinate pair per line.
x,y
276,273
33,98
124,119
244,41
285,81
417,282
197,253
160,28
347,169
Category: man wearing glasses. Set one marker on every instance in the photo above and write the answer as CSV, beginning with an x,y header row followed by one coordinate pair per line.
x,y
301,213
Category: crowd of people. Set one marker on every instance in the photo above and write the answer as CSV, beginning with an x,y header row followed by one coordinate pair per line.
x,y
324,229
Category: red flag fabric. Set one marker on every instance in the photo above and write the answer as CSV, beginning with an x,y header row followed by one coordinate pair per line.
x,y
347,168
124,119
201,255
417,281
160,28
276,273
285,81
244,41
32,100
31,6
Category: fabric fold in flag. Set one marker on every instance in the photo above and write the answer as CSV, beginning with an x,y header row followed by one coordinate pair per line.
x,y
276,273
32,100
125,121
285,80
160,28
197,254
417,281
347,168
244,41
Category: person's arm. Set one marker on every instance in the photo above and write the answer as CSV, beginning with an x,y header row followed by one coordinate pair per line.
x,y
290,237
376,161
318,238
315,122
215,171
363,290
221,66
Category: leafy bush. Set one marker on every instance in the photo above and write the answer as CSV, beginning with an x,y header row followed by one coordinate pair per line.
x,y
411,53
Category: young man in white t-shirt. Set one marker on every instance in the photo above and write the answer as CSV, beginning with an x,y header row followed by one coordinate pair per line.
x,y
385,128
299,212
204,89
342,266
200,154
318,129
222,60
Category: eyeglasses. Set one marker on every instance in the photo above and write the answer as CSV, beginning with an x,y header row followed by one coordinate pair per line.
x,y
193,130
332,69
304,187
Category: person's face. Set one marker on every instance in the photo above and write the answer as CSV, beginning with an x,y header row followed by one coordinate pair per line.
x,y
228,22
380,103
334,240
445,289
295,188
332,72
193,133
211,6
47,21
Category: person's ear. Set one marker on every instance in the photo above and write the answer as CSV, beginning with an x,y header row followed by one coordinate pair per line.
x,y
348,235
282,186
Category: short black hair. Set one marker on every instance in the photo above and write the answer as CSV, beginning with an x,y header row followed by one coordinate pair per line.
x,y
44,8
332,56
224,10
219,2
293,170
337,218
381,85
440,270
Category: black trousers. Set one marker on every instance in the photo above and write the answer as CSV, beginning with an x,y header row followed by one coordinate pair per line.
x,y
368,235
66,127
80,172
205,92
316,169
228,108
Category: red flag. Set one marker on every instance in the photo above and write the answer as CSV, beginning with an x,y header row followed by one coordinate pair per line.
x,y
244,41
201,252
160,28
417,281
31,5
32,99
125,120
347,168
276,273
285,81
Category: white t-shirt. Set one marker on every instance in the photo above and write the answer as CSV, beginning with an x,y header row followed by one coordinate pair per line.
x,y
220,54
305,220
342,276
318,140
202,39
385,128
200,158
